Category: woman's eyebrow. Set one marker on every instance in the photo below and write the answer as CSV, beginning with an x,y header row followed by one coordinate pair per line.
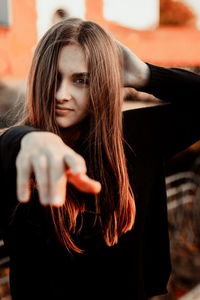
x,y
82,74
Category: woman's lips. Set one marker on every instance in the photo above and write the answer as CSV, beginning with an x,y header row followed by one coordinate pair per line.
x,y
63,111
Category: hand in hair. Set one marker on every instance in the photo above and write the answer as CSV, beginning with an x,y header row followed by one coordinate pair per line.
x,y
130,93
136,72
54,164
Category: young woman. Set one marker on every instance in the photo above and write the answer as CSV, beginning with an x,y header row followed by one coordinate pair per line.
x,y
89,218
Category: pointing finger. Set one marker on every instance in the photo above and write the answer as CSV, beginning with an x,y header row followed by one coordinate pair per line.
x,y
23,167
84,183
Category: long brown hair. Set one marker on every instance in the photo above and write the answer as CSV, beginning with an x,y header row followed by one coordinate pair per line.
x,y
115,206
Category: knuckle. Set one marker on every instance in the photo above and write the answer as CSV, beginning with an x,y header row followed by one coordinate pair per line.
x,y
18,161
38,161
76,162
55,161
50,150
78,158
21,160
81,161
42,162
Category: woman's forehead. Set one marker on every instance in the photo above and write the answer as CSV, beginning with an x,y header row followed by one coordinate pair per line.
x,y
72,58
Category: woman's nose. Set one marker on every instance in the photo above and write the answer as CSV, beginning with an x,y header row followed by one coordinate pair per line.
x,y
63,92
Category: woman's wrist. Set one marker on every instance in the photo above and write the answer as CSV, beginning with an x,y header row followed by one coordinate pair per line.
x,y
136,72
138,76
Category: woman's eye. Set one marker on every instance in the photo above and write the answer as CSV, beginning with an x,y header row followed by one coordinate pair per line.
x,y
82,81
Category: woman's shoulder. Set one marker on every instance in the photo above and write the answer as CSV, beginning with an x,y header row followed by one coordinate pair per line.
x,y
10,141
14,131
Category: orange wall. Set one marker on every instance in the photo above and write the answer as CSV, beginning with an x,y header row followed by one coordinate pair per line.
x,y
17,41
94,10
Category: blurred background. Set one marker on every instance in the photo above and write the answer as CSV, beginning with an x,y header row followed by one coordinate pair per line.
x,y
163,32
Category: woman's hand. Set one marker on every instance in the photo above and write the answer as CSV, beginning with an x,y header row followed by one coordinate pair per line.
x,y
54,164
136,72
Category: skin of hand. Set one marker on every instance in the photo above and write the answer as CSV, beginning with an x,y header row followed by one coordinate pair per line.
x,y
136,72
54,164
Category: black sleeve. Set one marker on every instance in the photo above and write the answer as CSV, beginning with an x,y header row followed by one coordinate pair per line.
x,y
177,122
177,86
10,142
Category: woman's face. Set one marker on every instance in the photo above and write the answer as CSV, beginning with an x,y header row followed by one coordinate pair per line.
x,y
72,96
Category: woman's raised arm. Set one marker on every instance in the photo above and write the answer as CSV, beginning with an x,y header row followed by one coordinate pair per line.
x,y
173,85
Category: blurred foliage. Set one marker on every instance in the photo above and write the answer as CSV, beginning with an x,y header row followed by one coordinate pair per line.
x,y
176,13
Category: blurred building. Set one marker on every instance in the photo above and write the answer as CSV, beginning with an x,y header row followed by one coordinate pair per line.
x,y
195,6
47,12
135,23
18,35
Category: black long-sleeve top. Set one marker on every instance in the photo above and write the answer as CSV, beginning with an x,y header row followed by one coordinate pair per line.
x,y
137,267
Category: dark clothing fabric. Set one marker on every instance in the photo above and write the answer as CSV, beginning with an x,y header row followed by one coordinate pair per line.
x,y
137,267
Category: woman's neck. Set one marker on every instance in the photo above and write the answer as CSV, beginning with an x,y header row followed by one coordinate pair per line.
x,y
71,135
